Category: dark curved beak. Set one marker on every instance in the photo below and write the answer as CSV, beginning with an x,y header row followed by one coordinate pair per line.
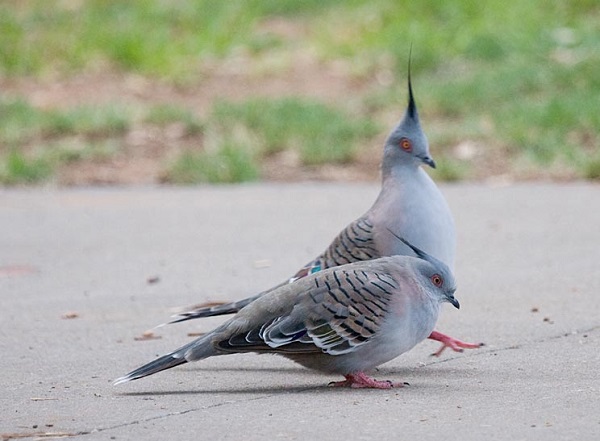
x,y
427,160
454,302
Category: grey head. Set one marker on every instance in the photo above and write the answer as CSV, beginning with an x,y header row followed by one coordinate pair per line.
x,y
407,144
436,274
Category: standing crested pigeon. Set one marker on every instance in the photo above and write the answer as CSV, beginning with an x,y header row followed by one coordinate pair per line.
x,y
345,320
409,204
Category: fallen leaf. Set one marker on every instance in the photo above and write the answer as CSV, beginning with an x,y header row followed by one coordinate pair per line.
x,y
148,335
262,263
17,270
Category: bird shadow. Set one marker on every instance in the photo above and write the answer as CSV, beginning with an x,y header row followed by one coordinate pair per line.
x,y
415,375
270,390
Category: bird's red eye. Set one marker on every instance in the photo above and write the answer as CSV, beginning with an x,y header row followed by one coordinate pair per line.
x,y
437,280
406,144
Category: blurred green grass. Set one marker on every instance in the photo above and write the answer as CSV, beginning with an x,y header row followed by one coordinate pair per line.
x,y
165,114
516,79
21,122
230,163
238,135
319,133
54,137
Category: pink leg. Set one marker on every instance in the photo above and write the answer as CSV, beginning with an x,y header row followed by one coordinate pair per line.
x,y
362,380
452,343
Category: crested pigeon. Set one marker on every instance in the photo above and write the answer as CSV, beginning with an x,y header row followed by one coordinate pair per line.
x,y
344,320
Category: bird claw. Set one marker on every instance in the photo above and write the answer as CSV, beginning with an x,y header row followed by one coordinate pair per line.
x,y
452,343
360,381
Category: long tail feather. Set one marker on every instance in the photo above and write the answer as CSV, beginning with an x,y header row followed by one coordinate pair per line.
x,y
219,309
211,311
160,364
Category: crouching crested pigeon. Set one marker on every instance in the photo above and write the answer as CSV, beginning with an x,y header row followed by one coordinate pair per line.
x,y
344,320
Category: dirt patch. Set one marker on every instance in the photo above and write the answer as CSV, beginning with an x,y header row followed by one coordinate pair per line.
x,y
237,78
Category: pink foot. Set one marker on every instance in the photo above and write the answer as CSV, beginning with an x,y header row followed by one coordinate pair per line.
x,y
452,343
362,380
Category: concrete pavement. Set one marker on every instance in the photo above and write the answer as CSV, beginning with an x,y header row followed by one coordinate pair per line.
x,y
118,261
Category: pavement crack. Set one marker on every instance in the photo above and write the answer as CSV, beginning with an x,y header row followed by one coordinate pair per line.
x,y
173,414
40,435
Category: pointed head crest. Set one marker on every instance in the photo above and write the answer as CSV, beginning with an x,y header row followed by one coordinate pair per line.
x,y
419,252
412,106
407,144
